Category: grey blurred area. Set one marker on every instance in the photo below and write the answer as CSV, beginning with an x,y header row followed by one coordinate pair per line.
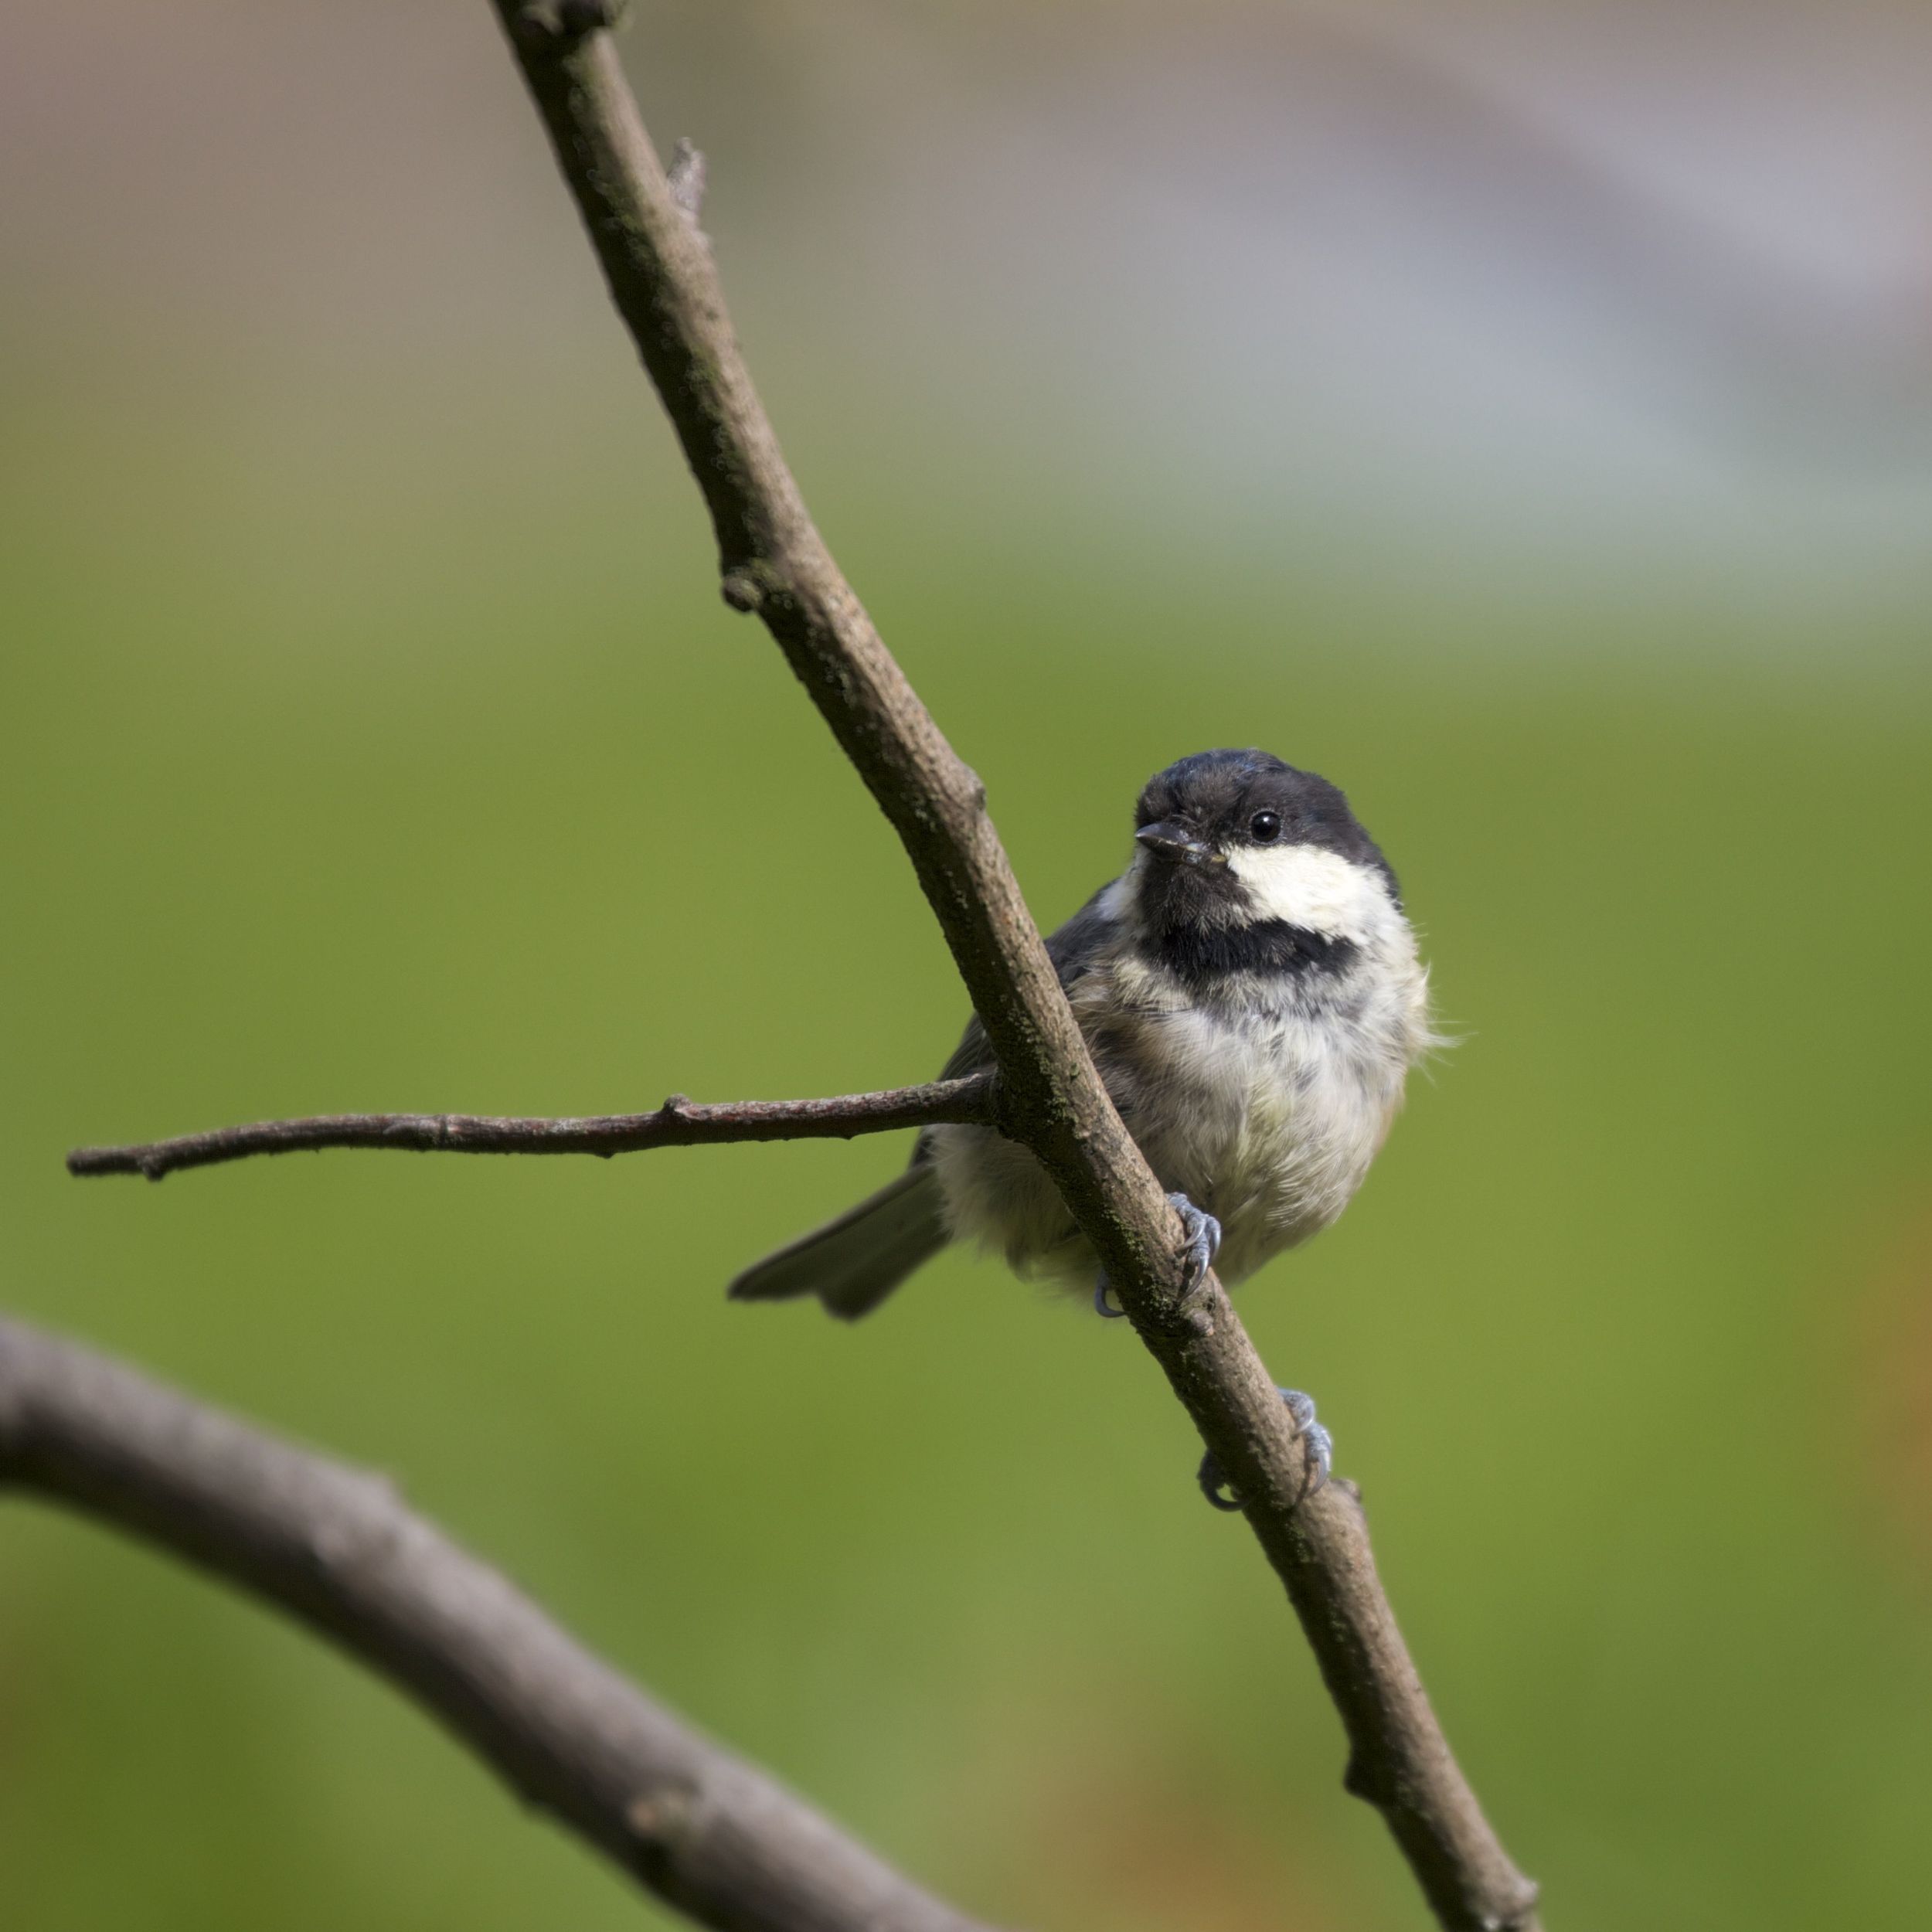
x,y
1556,304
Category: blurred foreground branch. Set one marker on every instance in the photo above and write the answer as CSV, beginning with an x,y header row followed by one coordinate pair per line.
x,y
679,1123
706,1832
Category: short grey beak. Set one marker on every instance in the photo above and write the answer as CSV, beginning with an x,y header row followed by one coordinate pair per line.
x,y
1177,845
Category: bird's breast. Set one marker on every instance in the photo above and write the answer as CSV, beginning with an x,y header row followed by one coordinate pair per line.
x,y
1269,1119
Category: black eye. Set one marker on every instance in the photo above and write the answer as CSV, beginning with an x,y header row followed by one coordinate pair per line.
x,y
1265,827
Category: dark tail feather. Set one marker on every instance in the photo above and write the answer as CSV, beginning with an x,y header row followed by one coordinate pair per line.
x,y
853,1263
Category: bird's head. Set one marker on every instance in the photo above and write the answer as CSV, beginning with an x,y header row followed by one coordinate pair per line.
x,y
1236,838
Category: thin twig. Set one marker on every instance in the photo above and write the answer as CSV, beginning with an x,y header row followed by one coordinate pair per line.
x,y
701,1828
665,287
679,1123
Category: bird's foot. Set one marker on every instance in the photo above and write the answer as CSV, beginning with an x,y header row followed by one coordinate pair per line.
x,y
1202,1234
1214,1483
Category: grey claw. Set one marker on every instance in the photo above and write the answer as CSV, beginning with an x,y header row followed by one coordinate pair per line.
x,y
1301,1407
1203,1234
1214,1482
1321,1447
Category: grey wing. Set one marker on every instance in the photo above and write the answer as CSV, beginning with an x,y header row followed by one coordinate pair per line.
x,y
1073,948
853,1263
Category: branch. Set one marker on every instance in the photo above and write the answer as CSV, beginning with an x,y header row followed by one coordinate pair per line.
x,y
679,1123
705,1831
666,287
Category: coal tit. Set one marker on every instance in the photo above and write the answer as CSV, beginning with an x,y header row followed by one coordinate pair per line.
x,y
1252,995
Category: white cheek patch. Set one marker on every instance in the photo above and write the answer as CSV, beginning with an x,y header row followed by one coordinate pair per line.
x,y
1308,887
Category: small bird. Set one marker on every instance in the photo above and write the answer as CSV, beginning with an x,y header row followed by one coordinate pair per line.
x,y
1252,994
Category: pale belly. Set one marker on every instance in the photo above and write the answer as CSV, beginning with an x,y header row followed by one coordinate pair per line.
x,y
1269,1125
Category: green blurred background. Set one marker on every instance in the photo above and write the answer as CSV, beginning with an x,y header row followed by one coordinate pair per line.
x,y
371,736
